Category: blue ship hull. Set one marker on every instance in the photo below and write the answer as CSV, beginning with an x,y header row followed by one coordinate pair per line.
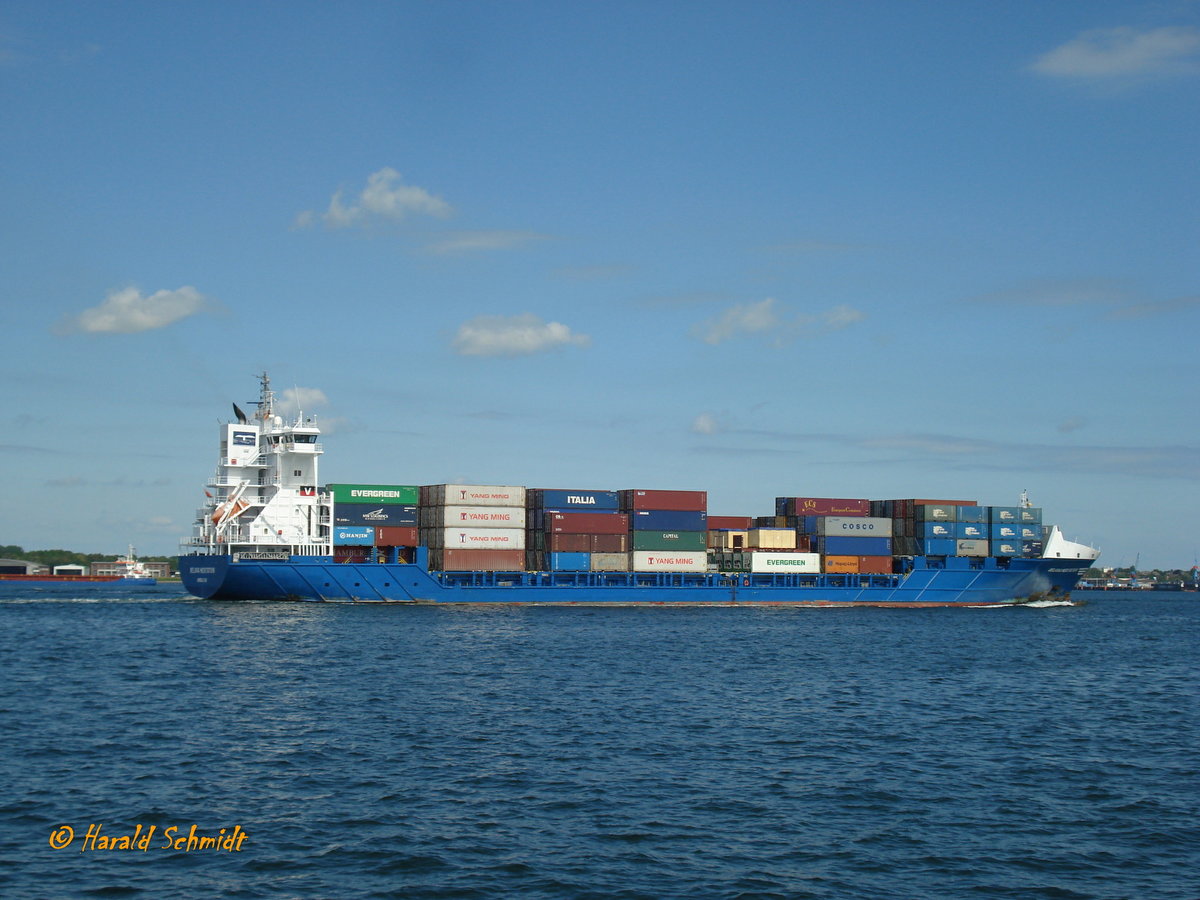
x,y
950,581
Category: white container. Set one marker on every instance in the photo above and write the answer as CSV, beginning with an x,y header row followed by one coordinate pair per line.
x,y
668,561
478,538
472,495
854,526
473,517
772,538
800,563
610,562
728,540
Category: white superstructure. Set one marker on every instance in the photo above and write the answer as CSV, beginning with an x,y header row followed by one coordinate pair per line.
x,y
263,498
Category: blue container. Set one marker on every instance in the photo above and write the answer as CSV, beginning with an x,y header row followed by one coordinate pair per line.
x,y
1006,532
971,531
374,514
568,562
937,547
932,530
855,546
1032,548
353,535
976,514
667,520
578,501
1029,516
1008,515
1006,548
1030,532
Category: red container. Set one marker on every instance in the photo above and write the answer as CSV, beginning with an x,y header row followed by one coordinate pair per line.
x,y
943,503
455,560
569,543
587,523
827,506
351,554
681,501
730,523
395,536
875,565
610,543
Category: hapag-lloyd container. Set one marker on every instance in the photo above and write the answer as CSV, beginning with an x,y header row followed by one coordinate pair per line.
x,y
473,517
472,495
668,561
584,501
475,538
854,526
804,563
860,565
403,494
585,523
683,501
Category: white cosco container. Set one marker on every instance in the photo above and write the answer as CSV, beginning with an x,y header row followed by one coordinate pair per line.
x,y
854,526
479,538
473,517
803,563
668,561
472,495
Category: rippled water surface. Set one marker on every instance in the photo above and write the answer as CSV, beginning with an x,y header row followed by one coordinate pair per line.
x,y
370,751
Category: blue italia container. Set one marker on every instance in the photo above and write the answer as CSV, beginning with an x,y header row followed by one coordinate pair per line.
x,y
971,531
569,562
667,520
1029,515
1030,532
1006,532
1006,548
1008,515
577,500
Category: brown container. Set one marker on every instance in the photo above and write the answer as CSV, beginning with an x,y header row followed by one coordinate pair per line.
x,y
395,536
875,565
587,523
454,560
730,523
828,506
351,554
569,543
610,543
682,501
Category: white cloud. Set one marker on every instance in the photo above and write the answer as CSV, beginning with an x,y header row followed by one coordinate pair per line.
x,y
385,198
1123,52
296,400
705,423
127,312
513,336
768,317
470,241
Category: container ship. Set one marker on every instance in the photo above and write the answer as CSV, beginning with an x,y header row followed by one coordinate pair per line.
x,y
268,530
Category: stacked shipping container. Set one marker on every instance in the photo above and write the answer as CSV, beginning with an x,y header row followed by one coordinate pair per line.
x,y
576,531
667,530
474,527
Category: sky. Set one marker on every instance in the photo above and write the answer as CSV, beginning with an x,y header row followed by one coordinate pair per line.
x,y
866,249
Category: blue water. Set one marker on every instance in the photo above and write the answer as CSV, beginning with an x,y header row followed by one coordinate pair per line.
x,y
370,751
